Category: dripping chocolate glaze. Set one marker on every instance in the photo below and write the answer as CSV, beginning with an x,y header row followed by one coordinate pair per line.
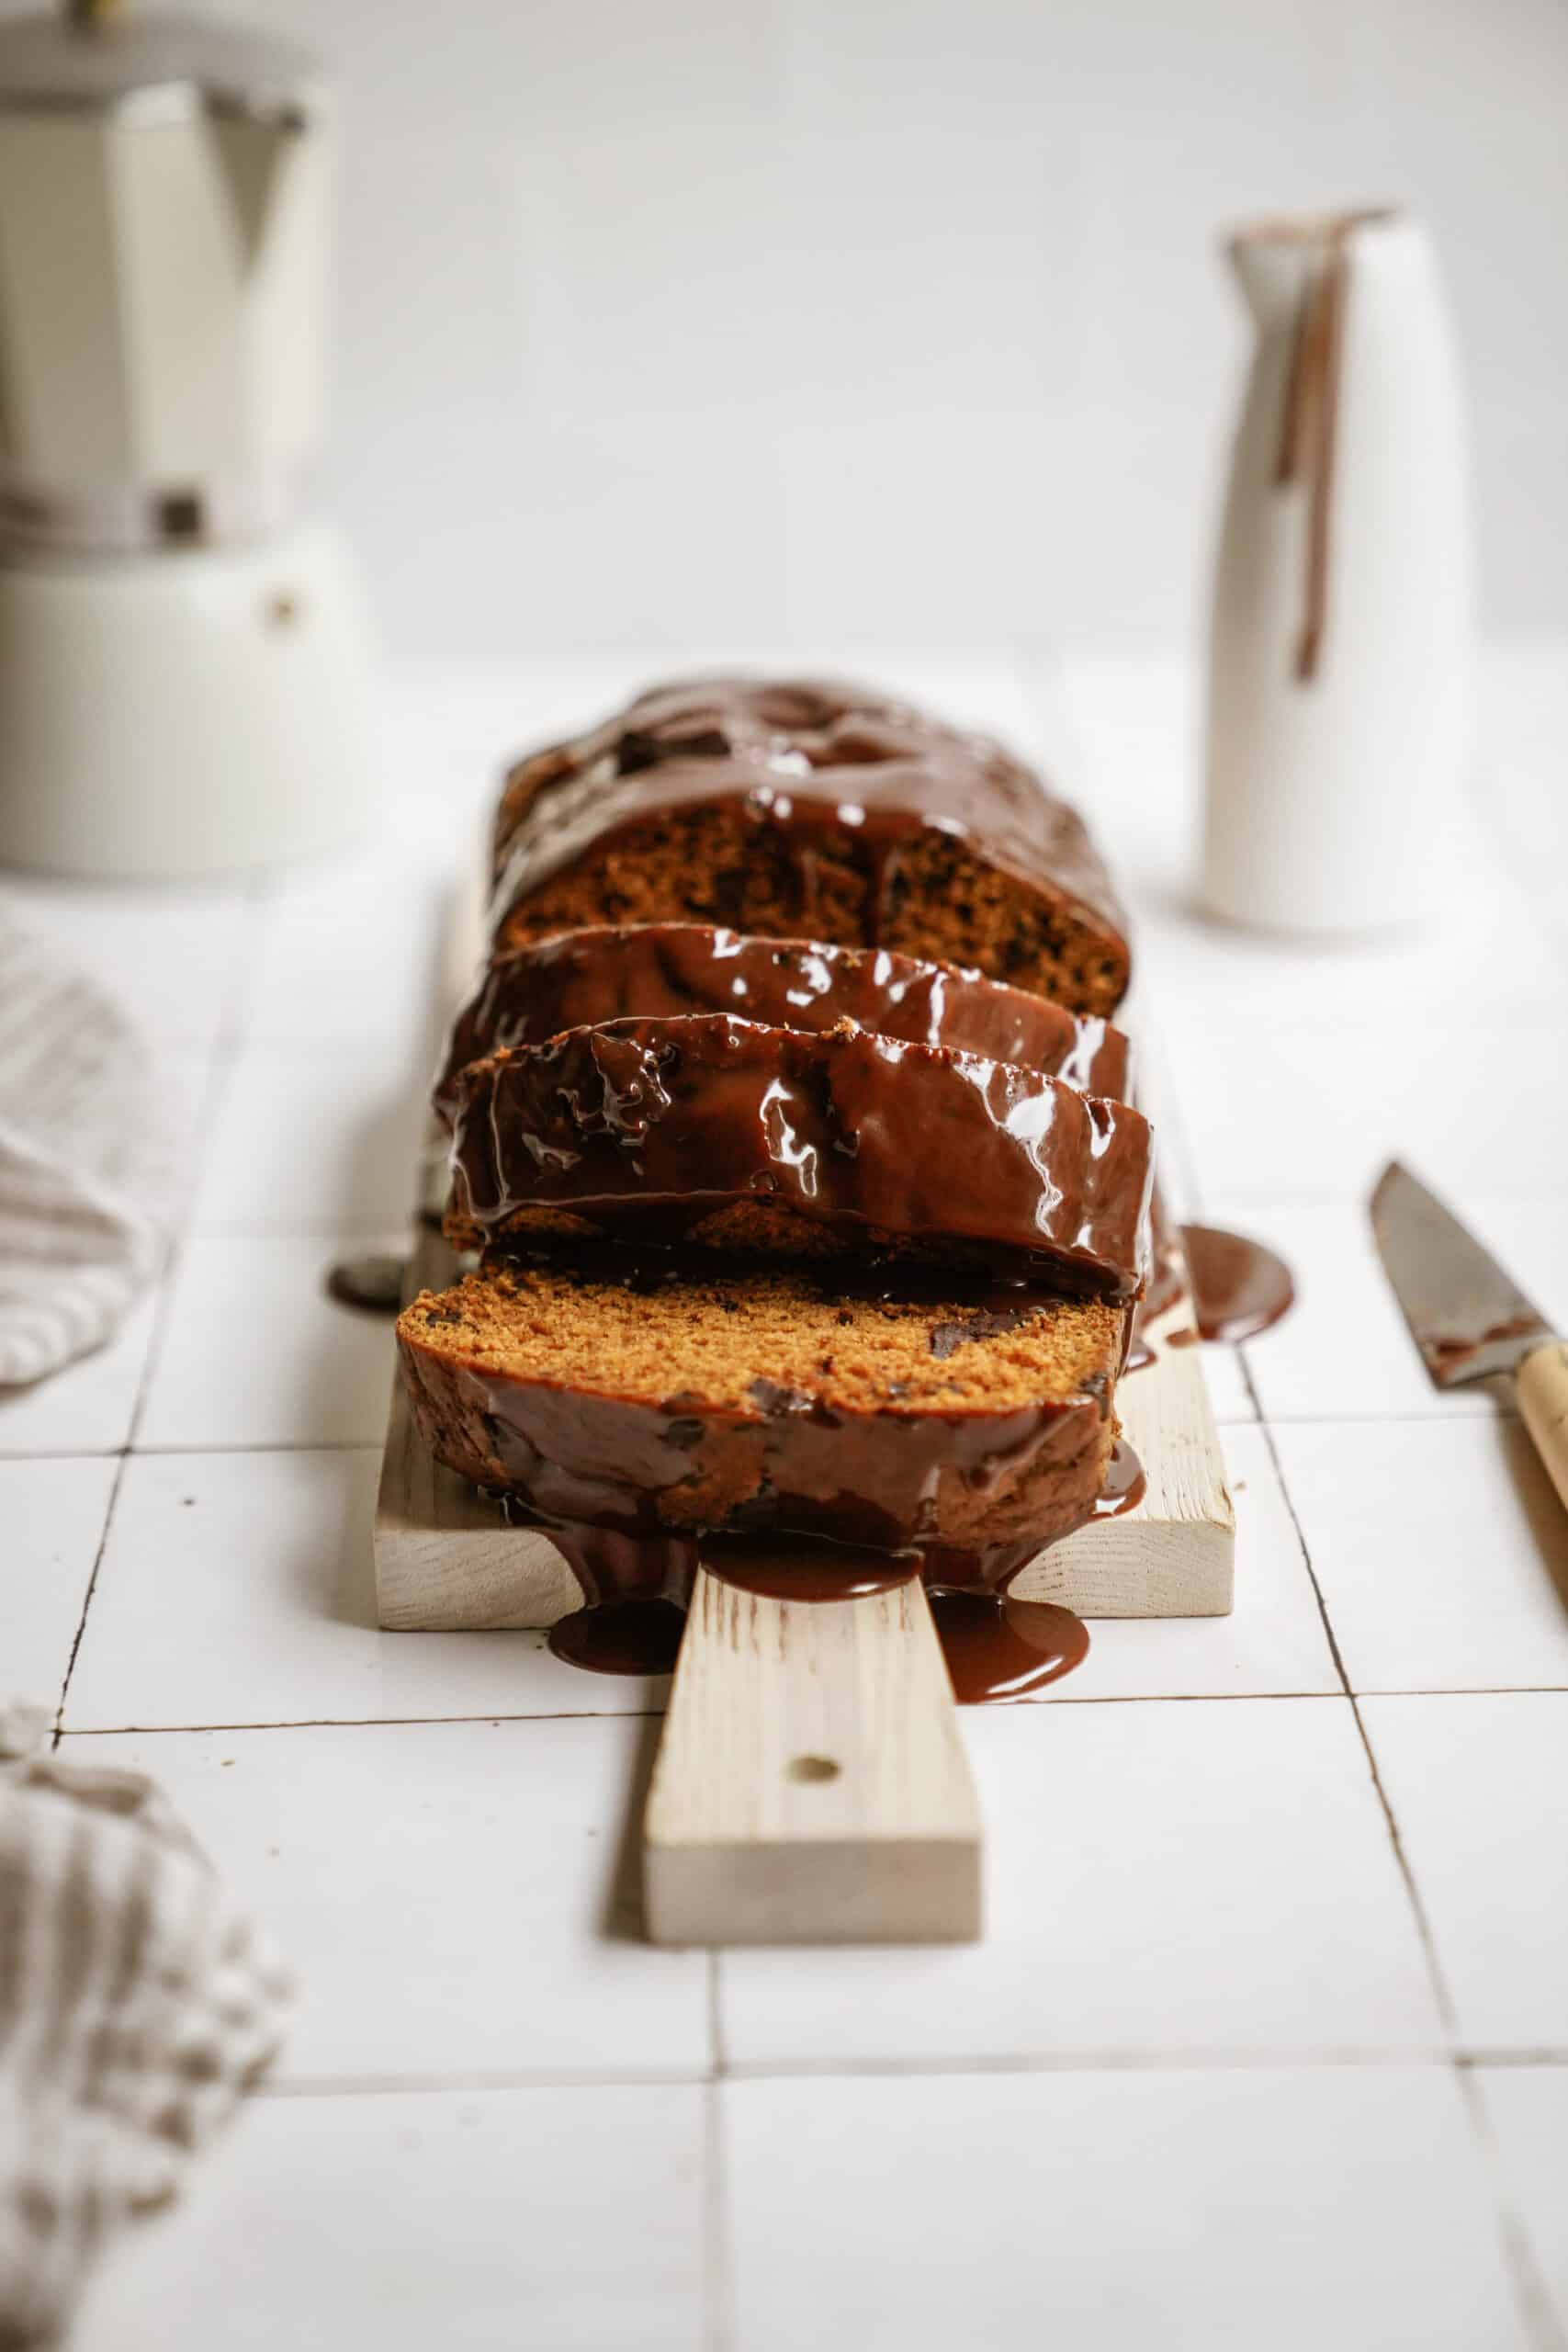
x,y
653,1127
794,1467
1238,1287
635,1594
819,766
607,971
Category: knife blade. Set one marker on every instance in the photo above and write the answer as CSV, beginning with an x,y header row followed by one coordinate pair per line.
x,y
1467,1316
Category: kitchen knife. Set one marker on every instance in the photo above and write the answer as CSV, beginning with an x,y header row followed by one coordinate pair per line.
x,y
1467,1316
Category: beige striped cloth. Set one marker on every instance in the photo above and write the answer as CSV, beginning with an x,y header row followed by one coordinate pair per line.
x,y
83,1162
136,2004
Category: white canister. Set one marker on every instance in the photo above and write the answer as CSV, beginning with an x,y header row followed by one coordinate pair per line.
x,y
1341,649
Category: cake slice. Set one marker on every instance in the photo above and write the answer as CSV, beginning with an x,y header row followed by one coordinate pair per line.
x,y
794,809
611,1389
605,972
754,1137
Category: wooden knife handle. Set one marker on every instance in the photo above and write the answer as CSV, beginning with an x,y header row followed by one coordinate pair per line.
x,y
1543,1400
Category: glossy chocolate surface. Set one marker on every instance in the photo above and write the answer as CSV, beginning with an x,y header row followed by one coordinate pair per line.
x,y
997,1649
808,760
609,971
1239,1288
793,1465
635,1595
649,1126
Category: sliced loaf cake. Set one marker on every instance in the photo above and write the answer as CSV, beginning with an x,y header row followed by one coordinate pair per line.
x,y
655,1394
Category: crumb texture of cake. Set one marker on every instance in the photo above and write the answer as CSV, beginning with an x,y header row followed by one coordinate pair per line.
x,y
804,810
605,972
651,1127
755,1398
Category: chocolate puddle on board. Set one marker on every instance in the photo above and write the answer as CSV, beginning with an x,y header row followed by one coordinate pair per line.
x,y
996,1648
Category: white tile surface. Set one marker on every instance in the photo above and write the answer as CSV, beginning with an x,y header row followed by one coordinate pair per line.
x,y
350,955
1476,1785
52,1513
313,1141
87,1407
1201,969
263,1562
1273,1640
176,960
1111,2212
1441,1549
256,1353
1189,1875
452,1896
1344,1351
1228,1392
1314,1110
1527,2111
477,2219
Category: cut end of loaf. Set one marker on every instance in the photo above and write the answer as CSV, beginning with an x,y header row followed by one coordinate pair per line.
x,y
710,1337
968,1417
714,865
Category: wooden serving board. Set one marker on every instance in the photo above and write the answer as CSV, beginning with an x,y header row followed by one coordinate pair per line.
x,y
811,1785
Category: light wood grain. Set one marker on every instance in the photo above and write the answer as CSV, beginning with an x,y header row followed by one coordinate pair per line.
x,y
811,1786
1174,1556
1542,1381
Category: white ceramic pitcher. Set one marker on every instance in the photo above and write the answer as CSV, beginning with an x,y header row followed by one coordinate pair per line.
x,y
1339,728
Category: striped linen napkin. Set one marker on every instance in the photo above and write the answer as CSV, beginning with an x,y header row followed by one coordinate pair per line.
x,y
136,2004
81,1162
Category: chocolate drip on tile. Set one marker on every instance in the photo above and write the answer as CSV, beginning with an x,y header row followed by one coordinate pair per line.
x,y
1239,1287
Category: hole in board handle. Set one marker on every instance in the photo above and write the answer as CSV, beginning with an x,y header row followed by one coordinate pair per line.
x,y
813,1767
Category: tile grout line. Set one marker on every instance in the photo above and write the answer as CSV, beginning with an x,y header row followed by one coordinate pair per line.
x,y
222,1057
1531,2296
1537,2304
631,1715
1418,1910
1435,1976
1425,2058
644,1714
718,2317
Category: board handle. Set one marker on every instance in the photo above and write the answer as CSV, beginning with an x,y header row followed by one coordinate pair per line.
x,y
1542,1382
811,1785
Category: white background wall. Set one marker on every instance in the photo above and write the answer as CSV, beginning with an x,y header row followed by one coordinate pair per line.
x,y
667,324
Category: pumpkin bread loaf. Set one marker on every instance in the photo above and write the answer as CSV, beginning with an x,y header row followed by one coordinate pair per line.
x,y
795,973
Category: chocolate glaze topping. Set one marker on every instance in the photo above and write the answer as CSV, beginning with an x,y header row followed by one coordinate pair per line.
x,y
619,1472
635,1595
608,971
797,1467
816,763
649,1126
